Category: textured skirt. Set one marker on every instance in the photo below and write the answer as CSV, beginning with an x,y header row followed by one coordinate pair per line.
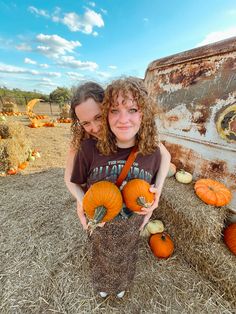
x,y
113,254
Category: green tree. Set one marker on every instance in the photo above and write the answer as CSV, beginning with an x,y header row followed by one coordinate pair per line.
x,y
60,95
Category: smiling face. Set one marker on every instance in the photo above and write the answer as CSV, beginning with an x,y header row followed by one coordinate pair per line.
x,y
89,116
125,118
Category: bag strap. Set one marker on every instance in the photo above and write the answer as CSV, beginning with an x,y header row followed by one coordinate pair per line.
x,y
127,166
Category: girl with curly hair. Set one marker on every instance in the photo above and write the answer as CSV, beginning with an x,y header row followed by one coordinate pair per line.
x,y
128,120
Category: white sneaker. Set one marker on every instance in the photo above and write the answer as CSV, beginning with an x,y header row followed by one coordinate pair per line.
x,y
120,294
103,294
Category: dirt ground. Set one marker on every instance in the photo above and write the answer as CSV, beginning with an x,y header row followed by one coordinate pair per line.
x,y
43,256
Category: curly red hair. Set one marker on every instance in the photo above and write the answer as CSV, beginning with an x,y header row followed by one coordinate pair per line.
x,y
147,136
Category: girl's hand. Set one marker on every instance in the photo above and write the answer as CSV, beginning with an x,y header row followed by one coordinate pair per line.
x,y
147,211
82,217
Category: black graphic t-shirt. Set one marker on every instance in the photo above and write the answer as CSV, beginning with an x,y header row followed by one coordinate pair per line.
x,y
90,166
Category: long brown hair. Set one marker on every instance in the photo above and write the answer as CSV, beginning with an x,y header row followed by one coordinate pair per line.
x,y
147,136
80,94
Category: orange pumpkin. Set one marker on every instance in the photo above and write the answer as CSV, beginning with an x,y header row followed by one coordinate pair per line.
x,y
212,192
230,237
102,202
23,165
161,245
12,171
136,194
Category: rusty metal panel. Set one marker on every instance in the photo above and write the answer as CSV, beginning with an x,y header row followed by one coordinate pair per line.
x,y
195,92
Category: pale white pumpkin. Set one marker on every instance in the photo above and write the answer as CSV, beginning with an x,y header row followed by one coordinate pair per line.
x,y
183,176
155,226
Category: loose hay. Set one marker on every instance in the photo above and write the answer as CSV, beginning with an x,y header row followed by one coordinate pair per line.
x,y
45,269
14,145
44,260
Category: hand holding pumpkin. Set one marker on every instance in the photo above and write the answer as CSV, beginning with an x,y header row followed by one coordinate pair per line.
x,y
81,215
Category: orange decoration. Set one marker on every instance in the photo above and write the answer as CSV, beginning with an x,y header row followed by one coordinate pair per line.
x,y
136,194
230,237
161,245
212,192
102,202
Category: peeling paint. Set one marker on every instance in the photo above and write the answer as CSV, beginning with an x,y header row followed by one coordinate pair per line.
x,y
192,89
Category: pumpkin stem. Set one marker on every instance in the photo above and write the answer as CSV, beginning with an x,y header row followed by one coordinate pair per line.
x,y
100,212
142,202
163,236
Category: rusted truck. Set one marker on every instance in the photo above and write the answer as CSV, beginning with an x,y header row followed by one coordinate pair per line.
x,y
195,92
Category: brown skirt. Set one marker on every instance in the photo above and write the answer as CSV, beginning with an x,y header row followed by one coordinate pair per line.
x,y
113,254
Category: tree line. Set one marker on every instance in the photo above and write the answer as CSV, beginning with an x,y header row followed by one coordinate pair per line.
x,y
61,96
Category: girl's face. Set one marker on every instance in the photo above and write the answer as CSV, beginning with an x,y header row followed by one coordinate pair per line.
x,y
89,116
125,118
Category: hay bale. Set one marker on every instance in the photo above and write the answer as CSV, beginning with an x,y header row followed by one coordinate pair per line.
x,y
196,229
10,107
14,145
187,216
65,112
216,263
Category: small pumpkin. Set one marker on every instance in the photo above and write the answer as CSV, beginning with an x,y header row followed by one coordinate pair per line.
x,y
102,202
172,170
183,176
155,226
212,192
11,171
230,237
136,194
161,245
23,165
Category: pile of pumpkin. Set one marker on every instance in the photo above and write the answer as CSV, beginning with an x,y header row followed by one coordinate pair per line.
x,y
33,154
11,113
35,124
103,201
64,120
210,192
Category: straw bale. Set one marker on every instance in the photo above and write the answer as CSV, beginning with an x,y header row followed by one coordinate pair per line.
x,y
45,268
14,145
10,107
65,112
216,263
187,216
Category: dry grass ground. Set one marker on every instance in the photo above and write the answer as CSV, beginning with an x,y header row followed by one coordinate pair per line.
x,y
43,256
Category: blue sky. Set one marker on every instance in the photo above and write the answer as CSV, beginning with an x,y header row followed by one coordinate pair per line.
x,y
45,44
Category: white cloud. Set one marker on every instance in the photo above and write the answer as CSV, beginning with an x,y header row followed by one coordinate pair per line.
x,y
93,4
104,11
23,47
71,62
113,67
104,74
217,36
44,65
38,12
84,23
29,61
6,68
95,34
75,76
54,45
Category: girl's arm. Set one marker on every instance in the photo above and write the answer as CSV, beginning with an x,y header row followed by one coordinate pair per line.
x,y
160,179
73,188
